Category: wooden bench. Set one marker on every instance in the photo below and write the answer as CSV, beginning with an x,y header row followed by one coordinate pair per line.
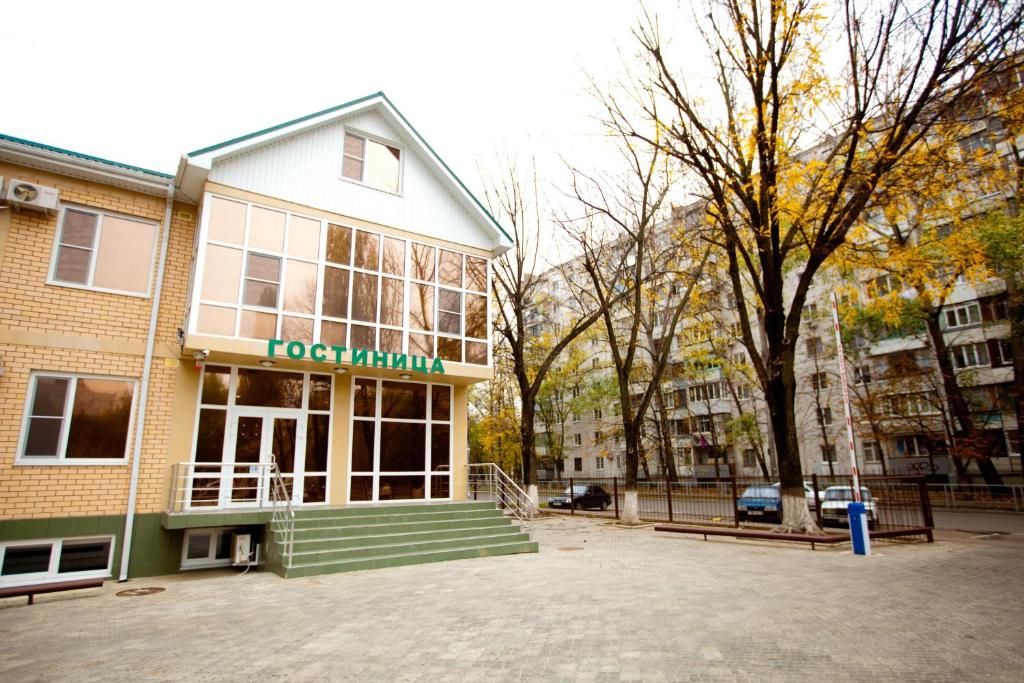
x,y
706,531
52,587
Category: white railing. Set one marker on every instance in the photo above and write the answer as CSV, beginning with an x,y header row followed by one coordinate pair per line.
x,y
283,517
487,481
199,486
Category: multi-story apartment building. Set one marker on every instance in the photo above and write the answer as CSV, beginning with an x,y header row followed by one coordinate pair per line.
x,y
289,322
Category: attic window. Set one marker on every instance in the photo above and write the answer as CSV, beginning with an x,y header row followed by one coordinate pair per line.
x,y
371,162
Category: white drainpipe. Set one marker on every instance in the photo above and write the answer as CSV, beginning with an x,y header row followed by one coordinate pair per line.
x,y
140,422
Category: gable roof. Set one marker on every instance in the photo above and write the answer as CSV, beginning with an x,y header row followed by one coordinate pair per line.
x,y
203,158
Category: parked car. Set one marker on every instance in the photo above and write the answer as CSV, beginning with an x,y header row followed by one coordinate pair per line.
x,y
836,500
808,494
760,502
589,496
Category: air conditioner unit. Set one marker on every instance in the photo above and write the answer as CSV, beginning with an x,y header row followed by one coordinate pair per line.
x,y
242,548
25,195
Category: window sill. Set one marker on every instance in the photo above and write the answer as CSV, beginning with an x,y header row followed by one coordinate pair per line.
x,y
358,183
97,290
70,462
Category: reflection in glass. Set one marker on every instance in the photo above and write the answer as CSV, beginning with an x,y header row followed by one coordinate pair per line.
x,y
26,559
248,437
83,556
283,443
210,435
266,229
421,344
449,311
362,488
440,402
336,292
364,337
297,329
124,255
314,489
339,244
333,334
365,404
43,437
318,432
221,274
440,486
300,287
215,384
364,297
476,274
476,316
257,325
99,419
382,166
362,445
216,320
401,488
440,448
269,388
390,341
450,268
367,250
73,265
392,305
421,307
79,228
422,262
403,400
401,446
227,220
303,237
449,349
51,393
319,392
262,275
394,256
476,353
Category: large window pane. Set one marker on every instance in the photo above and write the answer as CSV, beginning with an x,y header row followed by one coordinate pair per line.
x,y
43,439
421,344
79,228
421,307
263,274
392,302
256,325
422,262
319,392
51,393
401,447
476,316
364,337
364,297
26,559
314,489
300,287
221,274
367,250
333,334
210,435
266,229
394,256
269,388
99,419
449,349
283,443
476,274
84,556
73,265
362,489
318,432
215,384
476,353
440,402
365,398
440,486
450,268
401,488
216,320
353,157
303,237
297,329
124,257
382,166
336,292
440,448
339,244
390,341
449,311
362,445
227,220
403,400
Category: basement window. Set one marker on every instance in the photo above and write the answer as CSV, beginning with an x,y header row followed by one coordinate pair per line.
x,y
205,548
38,561
371,163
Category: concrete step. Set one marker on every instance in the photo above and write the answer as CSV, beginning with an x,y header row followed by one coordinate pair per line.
x,y
307,557
304,544
393,518
350,530
359,510
402,559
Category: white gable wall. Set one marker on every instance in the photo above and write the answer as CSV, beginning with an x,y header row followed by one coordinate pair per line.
x,y
306,169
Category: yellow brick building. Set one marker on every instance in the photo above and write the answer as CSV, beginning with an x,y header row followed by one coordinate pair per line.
x,y
313,302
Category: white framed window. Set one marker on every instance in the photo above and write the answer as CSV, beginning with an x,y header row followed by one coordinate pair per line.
x,y
204,548
599,463
103,251
702,423
970,356
76,419
749,458
1005,352
597,413
39,561
963,315
819,380
577,439
911,446
870,451
575,417
372,163
862,374
577,464
825,416
828,453
705,392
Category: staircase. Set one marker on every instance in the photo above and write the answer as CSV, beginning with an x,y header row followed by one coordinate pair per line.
x,y
330,540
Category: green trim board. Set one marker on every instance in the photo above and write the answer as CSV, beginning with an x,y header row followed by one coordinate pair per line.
x,y
197,520
85,157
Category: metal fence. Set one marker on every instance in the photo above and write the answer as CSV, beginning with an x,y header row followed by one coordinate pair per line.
x,y
977,496
898,505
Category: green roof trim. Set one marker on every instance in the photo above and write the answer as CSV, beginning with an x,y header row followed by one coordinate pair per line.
x,y
85,157
378,94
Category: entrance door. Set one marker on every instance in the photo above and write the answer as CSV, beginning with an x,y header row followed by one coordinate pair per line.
x,y
257,438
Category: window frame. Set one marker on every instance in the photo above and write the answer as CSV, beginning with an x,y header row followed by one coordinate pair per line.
x,y
51,273
968,357
69,401
368,137
210,561
966,307
52,574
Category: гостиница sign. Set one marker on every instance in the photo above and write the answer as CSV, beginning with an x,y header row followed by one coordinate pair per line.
x,y
324,353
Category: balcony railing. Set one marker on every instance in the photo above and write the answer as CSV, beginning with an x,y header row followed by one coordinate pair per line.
x,y
199,486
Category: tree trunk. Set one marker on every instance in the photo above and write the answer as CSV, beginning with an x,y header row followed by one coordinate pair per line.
x,y
631,434
966,435
528,449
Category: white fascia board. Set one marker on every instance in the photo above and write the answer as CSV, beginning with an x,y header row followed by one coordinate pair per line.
x,y
62,164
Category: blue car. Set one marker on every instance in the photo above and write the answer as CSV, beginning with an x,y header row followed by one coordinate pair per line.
x,y
758,503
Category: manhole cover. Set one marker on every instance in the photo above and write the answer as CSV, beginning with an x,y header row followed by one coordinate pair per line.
x,y
571,547
132,592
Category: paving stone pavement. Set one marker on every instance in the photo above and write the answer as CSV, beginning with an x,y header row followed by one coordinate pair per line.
x,y
598,603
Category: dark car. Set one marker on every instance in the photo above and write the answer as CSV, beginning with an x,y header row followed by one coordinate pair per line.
x,y
761,502
590,496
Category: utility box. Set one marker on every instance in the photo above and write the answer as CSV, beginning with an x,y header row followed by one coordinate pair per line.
x,y
242,545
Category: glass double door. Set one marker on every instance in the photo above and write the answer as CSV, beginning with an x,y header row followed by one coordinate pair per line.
x,y
255,439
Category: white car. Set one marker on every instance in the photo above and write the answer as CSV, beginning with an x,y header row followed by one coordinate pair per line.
x,y
808,494
836,500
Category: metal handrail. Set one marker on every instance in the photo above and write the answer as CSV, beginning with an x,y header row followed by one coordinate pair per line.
x,y
282,517
490,479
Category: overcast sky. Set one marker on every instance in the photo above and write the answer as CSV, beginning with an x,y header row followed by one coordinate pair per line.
x,y
143,82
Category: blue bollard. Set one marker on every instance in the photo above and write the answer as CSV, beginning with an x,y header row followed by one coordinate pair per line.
x,y
859,536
